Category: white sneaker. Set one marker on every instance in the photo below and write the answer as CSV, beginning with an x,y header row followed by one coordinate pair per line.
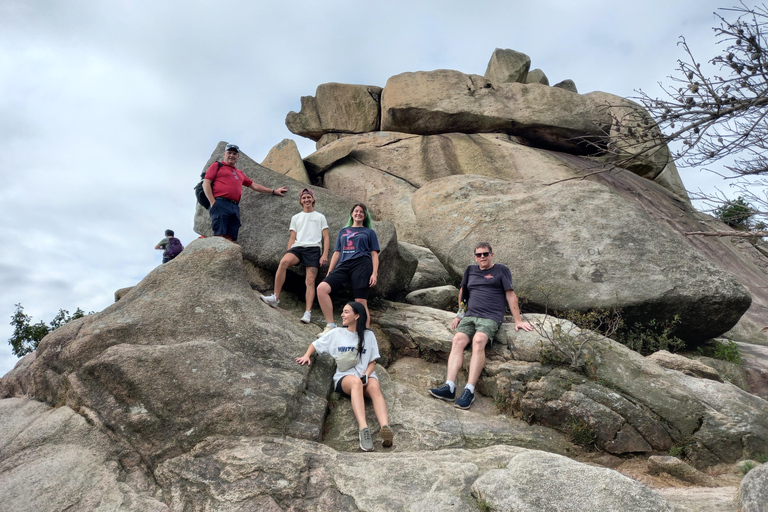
x,y
328,328
307,317
271,300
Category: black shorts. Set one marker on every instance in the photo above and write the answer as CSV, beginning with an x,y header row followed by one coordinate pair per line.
x,y
308,256
354,273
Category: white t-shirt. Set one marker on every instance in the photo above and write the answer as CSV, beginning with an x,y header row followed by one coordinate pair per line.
x,y
309,228
340,340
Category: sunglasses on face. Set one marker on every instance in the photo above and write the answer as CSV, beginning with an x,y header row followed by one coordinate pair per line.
x,y
482,254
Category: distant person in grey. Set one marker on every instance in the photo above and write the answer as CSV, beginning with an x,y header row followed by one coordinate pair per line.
x,y
487,289
170,245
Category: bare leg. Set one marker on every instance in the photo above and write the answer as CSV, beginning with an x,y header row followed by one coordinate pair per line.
x,y
309,296
456,357
479,340
287,261
364,302
354,388
373,391
324,299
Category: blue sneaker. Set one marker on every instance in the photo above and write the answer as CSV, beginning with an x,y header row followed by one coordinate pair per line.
x,y
465,400
443,392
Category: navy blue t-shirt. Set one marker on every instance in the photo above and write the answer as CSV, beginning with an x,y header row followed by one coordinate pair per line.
x,y
355,242
487,291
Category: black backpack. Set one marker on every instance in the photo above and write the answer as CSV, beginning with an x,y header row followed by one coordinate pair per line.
x,y
174,247
200,193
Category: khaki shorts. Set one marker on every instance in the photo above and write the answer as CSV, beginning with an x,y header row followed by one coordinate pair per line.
x,y
469,325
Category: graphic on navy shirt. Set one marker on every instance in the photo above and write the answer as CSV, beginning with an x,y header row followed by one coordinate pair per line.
x,y
350,244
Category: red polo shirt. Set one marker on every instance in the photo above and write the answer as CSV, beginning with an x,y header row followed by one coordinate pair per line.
x,y
228,182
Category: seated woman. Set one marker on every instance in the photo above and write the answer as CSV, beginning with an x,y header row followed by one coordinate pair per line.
x,y
355,264
355,350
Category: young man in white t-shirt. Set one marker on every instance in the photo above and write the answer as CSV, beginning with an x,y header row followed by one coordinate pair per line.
x,y
308,245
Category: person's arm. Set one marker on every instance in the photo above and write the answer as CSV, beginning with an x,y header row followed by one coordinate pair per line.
x,y
305,358
208,191
158,247
334,260
264,190
291,239
515,309
375,276
326,247
457,318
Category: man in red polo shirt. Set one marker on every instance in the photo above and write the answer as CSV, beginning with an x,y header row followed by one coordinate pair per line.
x,y
223,186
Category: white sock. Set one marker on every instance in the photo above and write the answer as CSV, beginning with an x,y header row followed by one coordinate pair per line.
x,y
451,385
332,325
470,387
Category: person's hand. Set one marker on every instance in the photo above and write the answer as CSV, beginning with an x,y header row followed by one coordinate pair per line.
x,y
364,378
280,191
323,260
455,323
373,280
523,325
303,360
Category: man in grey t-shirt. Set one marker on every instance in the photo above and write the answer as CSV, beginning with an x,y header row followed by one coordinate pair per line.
x,y
487,288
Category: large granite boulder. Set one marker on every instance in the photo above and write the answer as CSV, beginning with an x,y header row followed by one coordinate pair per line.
x,y
188,353
264,234
337,108
429,272
518,487
578,245
446,101
753,493
508,66
284,158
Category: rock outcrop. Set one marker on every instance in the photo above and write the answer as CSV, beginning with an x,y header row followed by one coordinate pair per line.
x,y
184,394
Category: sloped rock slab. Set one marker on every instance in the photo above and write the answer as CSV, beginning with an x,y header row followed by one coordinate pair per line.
x,y
274,474
52,459
422,422
189,352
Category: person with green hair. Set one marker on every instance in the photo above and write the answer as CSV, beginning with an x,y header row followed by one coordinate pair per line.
x,y
354,264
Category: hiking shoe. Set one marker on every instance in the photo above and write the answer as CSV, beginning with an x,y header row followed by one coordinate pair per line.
x,y
386,436
366,443
465,400
327,329
443,392
271,300
307,317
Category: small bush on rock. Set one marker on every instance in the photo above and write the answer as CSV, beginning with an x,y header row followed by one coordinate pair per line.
x,y
651,336
727,351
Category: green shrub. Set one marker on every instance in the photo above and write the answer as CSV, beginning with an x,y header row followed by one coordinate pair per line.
x,y
652,336
736,213
728,351
582,434
747,466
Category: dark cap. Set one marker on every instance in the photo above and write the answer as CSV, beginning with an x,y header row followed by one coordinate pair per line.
x,y
306,191
232,147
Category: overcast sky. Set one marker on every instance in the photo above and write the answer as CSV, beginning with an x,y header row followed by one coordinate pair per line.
x,y
110,109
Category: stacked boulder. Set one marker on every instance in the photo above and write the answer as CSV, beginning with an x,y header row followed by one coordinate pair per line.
x,y
573,191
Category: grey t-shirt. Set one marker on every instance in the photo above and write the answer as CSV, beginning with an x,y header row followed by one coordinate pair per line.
x,y
487,291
